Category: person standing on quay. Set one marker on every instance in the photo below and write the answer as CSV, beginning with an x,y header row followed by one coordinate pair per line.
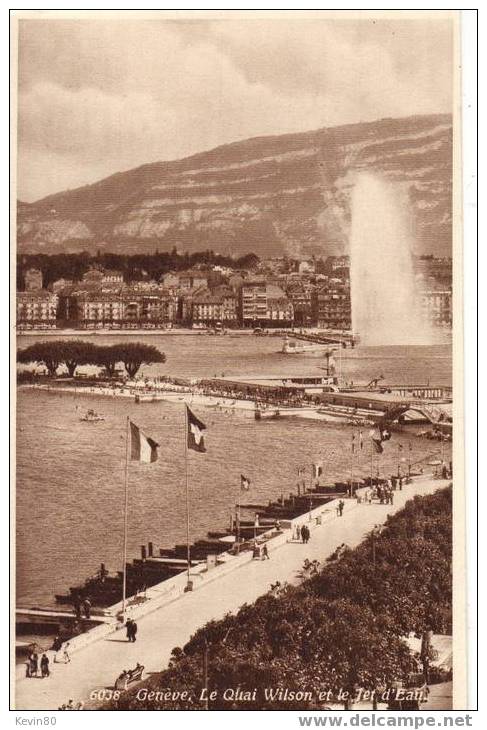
x,y
128,626
66,656
34,664
134,631
44,666
341,505
265,553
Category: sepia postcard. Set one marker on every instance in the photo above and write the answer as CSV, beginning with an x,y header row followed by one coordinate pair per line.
x,y
237,361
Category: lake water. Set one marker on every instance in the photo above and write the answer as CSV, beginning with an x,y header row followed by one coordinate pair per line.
x,y
70,473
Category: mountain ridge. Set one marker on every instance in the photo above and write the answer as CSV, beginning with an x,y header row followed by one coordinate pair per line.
x,y
275,195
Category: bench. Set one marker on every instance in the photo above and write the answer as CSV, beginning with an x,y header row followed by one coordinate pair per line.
x,y
130,676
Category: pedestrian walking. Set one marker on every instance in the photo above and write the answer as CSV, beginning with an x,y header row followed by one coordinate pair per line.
x,y
128,626
34,664
303,533
341,505
298,533
44,666
134,631
87,607
265,553
77,608
66,656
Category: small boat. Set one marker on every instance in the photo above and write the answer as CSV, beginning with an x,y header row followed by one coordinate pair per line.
x,y
91,416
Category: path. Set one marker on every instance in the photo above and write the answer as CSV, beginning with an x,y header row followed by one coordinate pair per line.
x,y
98,665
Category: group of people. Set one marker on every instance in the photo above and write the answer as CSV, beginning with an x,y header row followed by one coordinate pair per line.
x,y
33,664
383,493
131,627
61,656
302,534
310,567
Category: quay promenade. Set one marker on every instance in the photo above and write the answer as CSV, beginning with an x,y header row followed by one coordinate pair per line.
x,y
96,666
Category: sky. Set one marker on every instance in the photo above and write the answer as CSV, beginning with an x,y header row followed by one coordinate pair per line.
x,y
102,96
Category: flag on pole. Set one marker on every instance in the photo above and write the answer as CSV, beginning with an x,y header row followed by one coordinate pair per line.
x,y
195,432
353,442
142,448
379,435
361,440
317,470
244,483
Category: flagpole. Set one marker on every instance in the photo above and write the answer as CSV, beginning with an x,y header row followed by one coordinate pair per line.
x,y
351,464
187,495
125,519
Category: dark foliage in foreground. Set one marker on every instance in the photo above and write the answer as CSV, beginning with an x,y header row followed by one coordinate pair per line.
x,y
343,628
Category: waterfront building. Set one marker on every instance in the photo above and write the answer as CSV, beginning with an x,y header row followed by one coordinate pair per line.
x,y
36,308
437,306
301,297
219,305
332,307
280,310
253,302
264,305
33,280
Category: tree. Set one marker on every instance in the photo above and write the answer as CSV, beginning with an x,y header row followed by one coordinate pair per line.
x,y
43,353
53,354
108,357
134,354
77,352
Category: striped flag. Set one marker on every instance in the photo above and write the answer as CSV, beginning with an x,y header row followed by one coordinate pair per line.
x,y
196,427
244,483
317,470
142,448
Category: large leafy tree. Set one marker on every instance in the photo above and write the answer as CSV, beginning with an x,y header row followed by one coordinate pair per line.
x,y
71,353
77,352
48,354
134,354
108,357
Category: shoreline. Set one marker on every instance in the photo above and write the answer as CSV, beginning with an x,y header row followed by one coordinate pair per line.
x,y
217,402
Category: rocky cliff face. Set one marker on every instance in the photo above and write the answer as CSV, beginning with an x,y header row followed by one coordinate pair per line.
x,y
272,195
